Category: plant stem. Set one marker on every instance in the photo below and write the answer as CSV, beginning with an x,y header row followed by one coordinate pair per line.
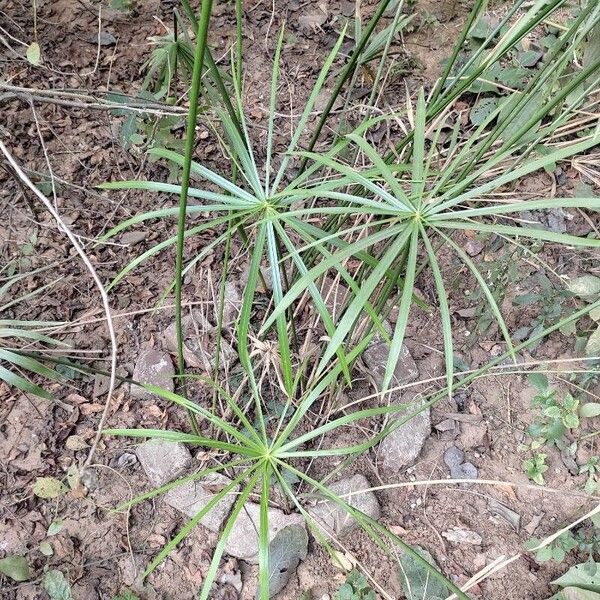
x,y
185,183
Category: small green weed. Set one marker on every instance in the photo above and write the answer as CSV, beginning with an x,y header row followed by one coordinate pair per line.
x,y
558,414
550,300
591,468
557,550
535,467
355,588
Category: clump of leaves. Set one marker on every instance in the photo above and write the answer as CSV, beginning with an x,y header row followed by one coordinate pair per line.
x,y
583,538
550,301
355,588
591,468
558,414
535,467
557,550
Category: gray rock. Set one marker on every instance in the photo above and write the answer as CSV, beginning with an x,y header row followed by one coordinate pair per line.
x,y
473,246
127,459
163,461
199,342
402,446
333,518
553,219
453,457
376,356
154,367
458,535
459,469
465,471
243,539
131,238
191,497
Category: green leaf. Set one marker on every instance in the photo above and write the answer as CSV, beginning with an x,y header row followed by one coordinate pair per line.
x,y
57,586
591,54
286,550
48,487
589,409
46,548
23,384
558,554
592,348
544,554
539,381
552,411
585,286
416,580
55,527
15,567
482,110
482,29
578,576
33,54
574,593
529,58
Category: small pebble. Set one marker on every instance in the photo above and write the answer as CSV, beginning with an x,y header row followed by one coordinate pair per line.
x,y
126,460
453,457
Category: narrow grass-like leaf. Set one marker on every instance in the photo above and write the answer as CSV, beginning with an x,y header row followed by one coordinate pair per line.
x,y
444,310
195,408
185,438
246,315
300,285
163,489
216,559
193,522
536,234
418,173
282,332
35,366
23,384
403,309
206,173
308,107
486,291
272,108
366,289
263,533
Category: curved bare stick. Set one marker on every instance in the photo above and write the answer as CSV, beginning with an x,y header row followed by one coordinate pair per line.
x,y
113,339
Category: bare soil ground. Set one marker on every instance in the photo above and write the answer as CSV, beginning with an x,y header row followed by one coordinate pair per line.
x,y
103,552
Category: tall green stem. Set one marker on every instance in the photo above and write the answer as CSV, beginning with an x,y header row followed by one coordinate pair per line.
x,y
185,182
